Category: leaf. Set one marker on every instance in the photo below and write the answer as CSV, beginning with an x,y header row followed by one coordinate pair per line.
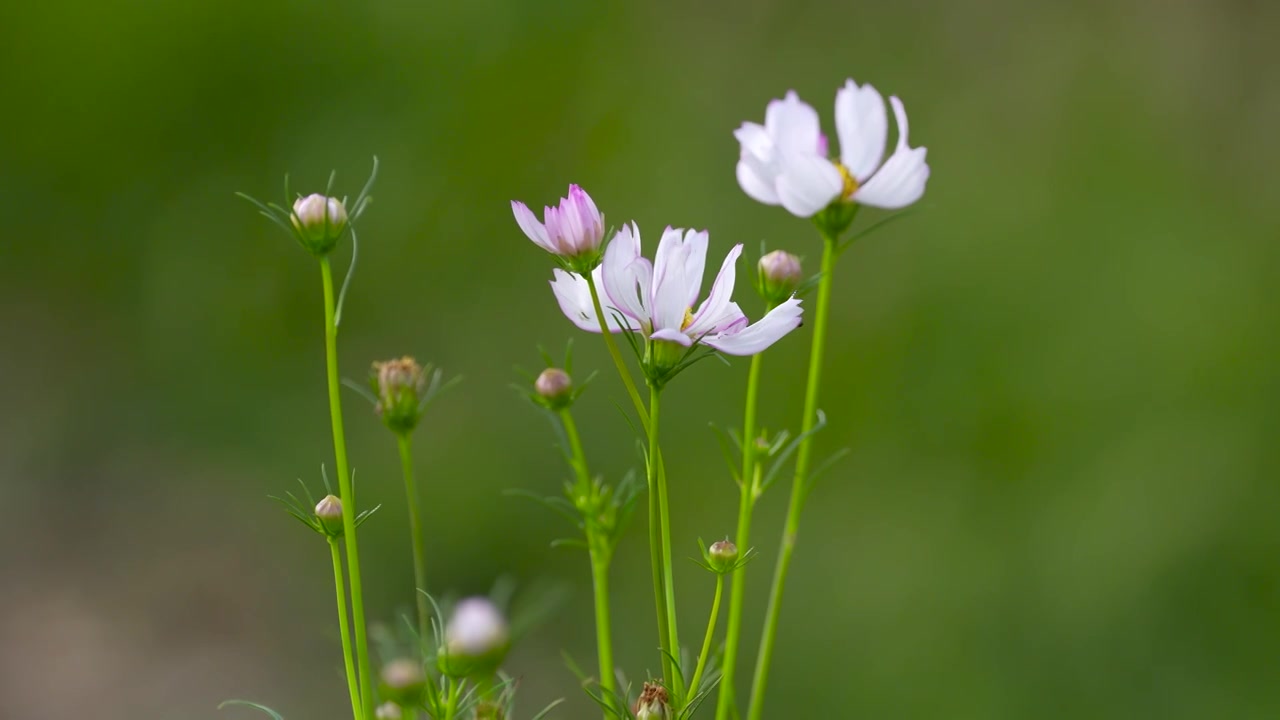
x,y
253,705
547,709
346,282
774,469
362,389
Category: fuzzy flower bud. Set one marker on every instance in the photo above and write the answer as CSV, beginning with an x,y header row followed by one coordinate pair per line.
x,y
476,639
572,231
389,711
654,703
722,555
554,388
329,513
399,386
780,275
320,221
403,681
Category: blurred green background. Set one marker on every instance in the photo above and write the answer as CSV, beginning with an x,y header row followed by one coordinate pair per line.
x,y
1059,379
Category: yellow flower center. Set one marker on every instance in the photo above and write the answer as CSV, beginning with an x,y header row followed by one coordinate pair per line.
x,y
850,184
688,319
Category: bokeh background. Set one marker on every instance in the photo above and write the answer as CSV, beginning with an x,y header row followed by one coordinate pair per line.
x,y
1058,379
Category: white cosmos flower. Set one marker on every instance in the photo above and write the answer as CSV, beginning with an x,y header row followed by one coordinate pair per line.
x,y
784,162
658,299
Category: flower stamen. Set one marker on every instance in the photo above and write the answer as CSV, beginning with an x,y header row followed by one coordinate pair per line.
x,y
850,183
688,319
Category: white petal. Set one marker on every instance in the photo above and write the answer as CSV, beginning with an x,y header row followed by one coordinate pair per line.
x,y
792,124
672,335
901,180
758,168
711,316
528,222
755,338
574,296
670,285
627,276
695,263
751,178
809,183
863,128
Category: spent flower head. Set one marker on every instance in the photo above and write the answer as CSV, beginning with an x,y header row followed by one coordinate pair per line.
x,y
654,703
400,386
785,161
659,300
778,277
476,638
572,231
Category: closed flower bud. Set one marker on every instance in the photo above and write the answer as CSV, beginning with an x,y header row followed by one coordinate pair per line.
x,y
403,681
722,555
389,711
320,221
554,388
654,703
329,513
476,639
572,231
399,386
780,275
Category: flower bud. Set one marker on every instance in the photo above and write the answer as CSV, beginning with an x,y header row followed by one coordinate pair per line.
x,y
489,710
320,221
654,703
572,231
329,513
403,681
780,275
476,639
388,711
399,386
554,388
722,555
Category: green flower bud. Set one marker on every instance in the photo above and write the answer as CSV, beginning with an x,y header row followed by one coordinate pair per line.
x,y
399,386
654,703
319,221
722,555
388,711
780,275
554,388
329,513
403,681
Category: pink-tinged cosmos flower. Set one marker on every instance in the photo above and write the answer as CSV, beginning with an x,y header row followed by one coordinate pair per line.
x,y
784,162
658,299
573,229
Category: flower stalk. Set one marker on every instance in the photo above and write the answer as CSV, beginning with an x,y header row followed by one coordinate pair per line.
x,y
830,251
346,492
415,531
348,661
696,682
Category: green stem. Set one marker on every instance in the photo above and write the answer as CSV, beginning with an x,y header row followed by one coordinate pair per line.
x,y
799,482
340,584
706,641
345,490
612,344
601,557
415,529
455,694
658,480
748,486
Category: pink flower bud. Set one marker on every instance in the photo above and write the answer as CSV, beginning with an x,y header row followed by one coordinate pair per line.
x,y
780,275
573,230
320,221
554,388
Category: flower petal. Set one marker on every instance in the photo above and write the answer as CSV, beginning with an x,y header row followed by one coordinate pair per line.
x,y
863,128
792,124
695,263
809,183
670,283
901,180
712,315
574,296
529,224
765,332
628,277
672,335
758,169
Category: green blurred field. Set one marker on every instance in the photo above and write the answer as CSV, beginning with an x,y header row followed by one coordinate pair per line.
x,y
1059,379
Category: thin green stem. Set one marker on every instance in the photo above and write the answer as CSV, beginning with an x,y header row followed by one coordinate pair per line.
x,y
601,556
706,641
415,530
612,344
340,586
670,644
455,694
345,490
799,482
748,487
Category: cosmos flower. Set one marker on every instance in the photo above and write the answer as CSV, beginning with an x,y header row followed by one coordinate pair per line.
x,y
785,161
658,299
573,229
